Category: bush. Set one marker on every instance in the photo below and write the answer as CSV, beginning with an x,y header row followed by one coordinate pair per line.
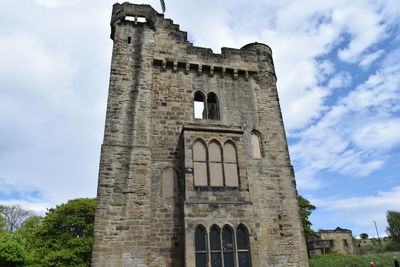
x,y
12,251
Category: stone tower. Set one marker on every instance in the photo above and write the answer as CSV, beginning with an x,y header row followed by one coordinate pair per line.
x,y
194,167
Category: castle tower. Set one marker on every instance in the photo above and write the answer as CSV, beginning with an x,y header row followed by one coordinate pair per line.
x,y
194,167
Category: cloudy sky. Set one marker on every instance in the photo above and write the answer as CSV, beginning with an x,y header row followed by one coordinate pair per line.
x,y
338,79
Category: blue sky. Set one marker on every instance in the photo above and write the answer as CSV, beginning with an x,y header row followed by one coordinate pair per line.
x,y
338,79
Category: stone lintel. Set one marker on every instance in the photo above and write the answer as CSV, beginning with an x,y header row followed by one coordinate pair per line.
x,y
218,202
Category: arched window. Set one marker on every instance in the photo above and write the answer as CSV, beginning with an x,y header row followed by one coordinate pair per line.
x,y
212,107
222,249
215,247
200,247
215,164
206,108
199,105
243,247
230,165
227,246
256,145
200,163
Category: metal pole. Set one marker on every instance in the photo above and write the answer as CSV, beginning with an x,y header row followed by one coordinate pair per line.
x,y
376,228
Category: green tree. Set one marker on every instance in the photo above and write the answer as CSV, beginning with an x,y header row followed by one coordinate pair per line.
x,y
306,208
13,252
364,236
393,220
65,235
2,225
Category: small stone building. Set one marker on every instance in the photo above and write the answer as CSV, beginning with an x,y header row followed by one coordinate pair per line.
x,y
331,241
194,167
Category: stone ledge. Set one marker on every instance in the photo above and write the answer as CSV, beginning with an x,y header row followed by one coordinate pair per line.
x,y
212,128
218,202
202,68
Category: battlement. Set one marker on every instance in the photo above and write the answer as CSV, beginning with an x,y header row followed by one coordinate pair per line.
x,y
237,62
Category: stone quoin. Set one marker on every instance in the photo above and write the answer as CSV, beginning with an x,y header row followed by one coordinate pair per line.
x,y
194,167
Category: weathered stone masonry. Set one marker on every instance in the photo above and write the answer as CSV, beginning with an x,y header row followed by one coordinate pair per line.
x,y
150,200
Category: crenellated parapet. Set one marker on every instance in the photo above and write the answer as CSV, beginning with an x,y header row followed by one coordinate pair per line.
x,y
181,54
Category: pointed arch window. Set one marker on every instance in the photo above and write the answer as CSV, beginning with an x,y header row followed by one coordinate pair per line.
x,y
215,247
227,245
230,165
256,145
199,105
200,163
200,247
223,249
243,247
206,108
212,107
215,163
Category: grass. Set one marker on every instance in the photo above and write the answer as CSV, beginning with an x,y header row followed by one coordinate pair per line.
x,y
338,260
372,245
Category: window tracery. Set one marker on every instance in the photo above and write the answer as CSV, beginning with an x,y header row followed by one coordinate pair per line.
x,y
227,248
200,246
206,108
200,163
214,165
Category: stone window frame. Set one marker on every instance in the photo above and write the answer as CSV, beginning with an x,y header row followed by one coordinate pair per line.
x,y
219,248
243,250
257,133
199,252
206,100
223,163
196,160
226,163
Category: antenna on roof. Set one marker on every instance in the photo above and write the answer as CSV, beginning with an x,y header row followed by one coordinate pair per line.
x,y
162,5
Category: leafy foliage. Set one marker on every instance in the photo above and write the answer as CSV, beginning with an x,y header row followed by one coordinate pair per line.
x,y
364,236
2,225
306,208
12,250
64,237
393,220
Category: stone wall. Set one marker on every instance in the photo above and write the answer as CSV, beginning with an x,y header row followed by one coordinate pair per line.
x,y
148,205
342,240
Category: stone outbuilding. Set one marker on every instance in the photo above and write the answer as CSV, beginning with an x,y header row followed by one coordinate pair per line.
x,y
331,241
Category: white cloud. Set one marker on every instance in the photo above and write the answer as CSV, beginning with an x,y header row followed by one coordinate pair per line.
x,y
308,30
34,69
52,102
340,80
379,135
370,58
361,211
357,133
355,19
